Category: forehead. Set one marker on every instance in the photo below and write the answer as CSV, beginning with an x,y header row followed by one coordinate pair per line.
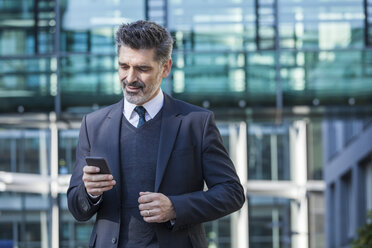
x,y
136,56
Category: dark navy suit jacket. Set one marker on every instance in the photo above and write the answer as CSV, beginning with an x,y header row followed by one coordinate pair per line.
x,y
190,154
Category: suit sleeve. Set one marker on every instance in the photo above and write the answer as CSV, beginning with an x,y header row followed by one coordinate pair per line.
x,y
79,203
225,194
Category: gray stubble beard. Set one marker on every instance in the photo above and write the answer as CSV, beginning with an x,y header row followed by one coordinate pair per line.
x,y
134,98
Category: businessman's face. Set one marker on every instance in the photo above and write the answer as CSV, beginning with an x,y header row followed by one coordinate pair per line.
x,y
140,75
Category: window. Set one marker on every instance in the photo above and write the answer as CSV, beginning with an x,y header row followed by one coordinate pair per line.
x,y
368,22
369,187
366,188
347,227
316,220
332,216
314,150
269,222
268,152
219,232
67,150
25,151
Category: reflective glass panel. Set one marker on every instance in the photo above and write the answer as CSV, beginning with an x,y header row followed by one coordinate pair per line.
x,y
209,76
212,25
269,222
368,187
368,28
346,209
326,78
24,220
88,80
261,79
67,150
89,26
219,232
27,84
26,27
268,152
324,24
73,233
25,151
316,220
315,150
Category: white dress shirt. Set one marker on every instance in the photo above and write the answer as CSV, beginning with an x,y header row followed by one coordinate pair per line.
x,y
152,109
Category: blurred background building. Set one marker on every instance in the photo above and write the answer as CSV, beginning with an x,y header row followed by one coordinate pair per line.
x,y
290,82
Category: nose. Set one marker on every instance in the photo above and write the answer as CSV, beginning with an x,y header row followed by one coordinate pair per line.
x,y
131,76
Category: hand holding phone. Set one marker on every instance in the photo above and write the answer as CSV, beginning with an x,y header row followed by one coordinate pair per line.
x,y
97,182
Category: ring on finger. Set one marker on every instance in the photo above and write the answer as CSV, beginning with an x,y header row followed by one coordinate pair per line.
x,y
148,212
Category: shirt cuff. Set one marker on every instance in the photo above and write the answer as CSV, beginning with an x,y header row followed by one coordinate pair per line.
x,y
95,199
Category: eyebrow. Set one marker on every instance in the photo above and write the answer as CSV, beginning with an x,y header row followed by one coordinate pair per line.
x,y
137,66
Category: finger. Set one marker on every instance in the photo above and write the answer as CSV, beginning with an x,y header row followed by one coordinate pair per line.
x,y
147,197
147,206
101,184
98,191
90,169
97,177
146,213
150,212
153,219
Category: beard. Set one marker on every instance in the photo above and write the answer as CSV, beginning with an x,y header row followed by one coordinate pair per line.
x,y
143,95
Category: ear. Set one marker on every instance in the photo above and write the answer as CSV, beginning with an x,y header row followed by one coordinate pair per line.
x,y
167,66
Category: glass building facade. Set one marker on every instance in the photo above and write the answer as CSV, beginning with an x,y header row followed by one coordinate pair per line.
x,y
290,82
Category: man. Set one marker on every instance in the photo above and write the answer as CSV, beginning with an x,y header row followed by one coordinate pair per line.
x,y
160,150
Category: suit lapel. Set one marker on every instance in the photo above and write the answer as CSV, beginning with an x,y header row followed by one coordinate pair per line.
x,y
168,133
113,128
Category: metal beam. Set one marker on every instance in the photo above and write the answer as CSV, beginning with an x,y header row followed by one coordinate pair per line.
x,y
366,24
282,189
31,183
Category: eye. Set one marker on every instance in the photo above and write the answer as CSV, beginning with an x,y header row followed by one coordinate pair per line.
x,y
123,66
144,69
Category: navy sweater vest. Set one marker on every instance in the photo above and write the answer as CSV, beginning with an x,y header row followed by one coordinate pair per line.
x,y
139,153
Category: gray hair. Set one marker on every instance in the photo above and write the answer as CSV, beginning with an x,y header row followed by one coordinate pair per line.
x,y
146,35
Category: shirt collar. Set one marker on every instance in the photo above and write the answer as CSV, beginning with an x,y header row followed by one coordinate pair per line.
x,y
152,107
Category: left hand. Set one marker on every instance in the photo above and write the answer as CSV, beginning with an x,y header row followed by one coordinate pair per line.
x,y
155,207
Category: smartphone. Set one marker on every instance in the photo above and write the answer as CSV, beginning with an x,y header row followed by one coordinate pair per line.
x,y
99,162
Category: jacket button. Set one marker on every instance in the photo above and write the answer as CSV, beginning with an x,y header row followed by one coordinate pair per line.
x,y
113,240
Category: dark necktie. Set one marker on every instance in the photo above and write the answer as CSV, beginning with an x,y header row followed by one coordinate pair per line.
x,y
141,111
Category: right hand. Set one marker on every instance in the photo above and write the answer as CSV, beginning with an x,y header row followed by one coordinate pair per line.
x,y
95,183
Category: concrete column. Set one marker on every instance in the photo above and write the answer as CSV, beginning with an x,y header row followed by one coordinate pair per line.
x,y
274,157
298,161
54,181
238,153
44,229
276,229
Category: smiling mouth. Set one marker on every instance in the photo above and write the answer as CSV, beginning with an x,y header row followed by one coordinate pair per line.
x,y
133,88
